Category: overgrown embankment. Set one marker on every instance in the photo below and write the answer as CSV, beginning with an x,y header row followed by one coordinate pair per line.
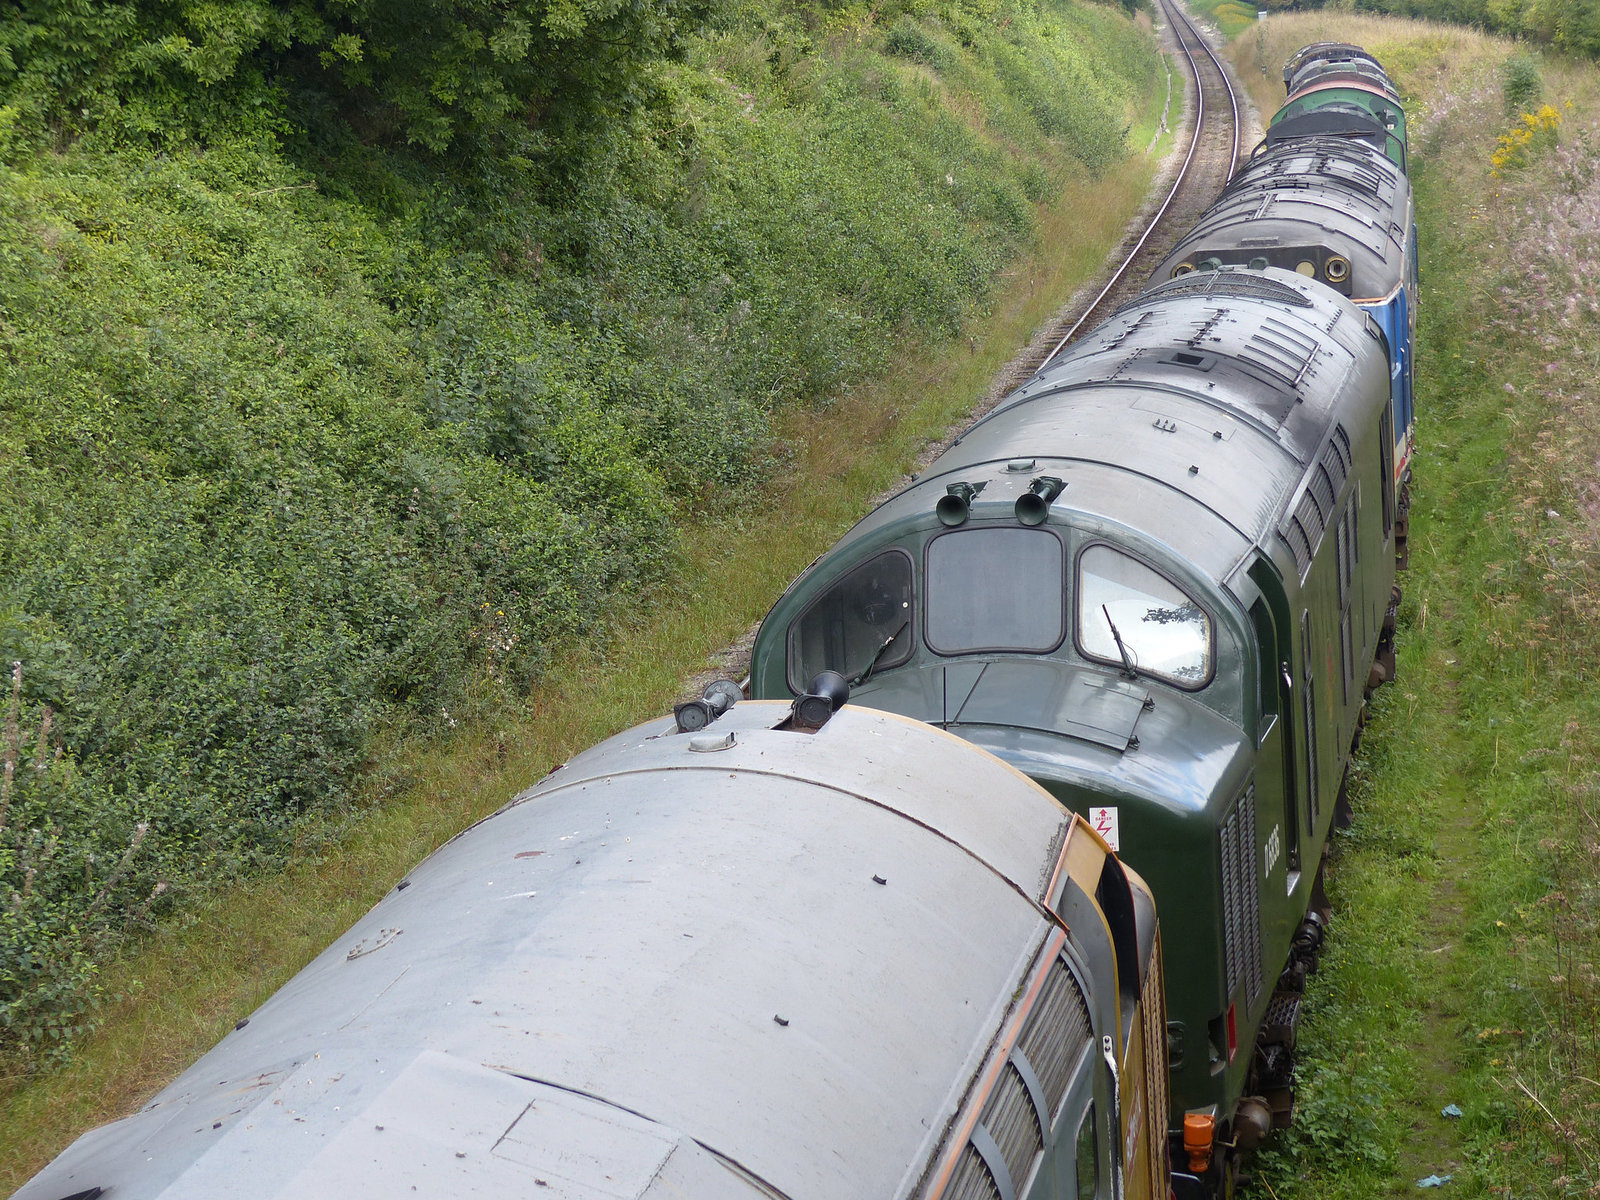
x,y
1565,26
354,365
1462,962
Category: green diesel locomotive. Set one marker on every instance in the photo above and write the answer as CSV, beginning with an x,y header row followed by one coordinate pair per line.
x,y
1156,578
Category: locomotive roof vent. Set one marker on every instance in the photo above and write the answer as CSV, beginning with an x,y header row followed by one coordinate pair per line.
x,y
1199,360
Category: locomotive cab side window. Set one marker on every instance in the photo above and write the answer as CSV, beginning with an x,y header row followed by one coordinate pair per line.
x,y
1308,682
996,589
847,626
1162,629
1268,673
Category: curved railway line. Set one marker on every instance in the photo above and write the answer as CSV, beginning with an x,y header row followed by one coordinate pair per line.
x,y
1208,161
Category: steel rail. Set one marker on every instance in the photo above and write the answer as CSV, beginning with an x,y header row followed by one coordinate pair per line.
x,y
1181,19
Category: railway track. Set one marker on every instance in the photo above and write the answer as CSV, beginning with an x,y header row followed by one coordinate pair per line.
x,y
1209,158
1209,155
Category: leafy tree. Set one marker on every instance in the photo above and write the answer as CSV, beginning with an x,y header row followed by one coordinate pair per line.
x,y
1572,25
444,67
424,71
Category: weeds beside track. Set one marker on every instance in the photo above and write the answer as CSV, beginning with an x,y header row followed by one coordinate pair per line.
x,y
1462,960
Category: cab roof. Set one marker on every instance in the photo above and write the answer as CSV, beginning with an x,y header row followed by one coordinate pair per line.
x,y
670,968
1187,419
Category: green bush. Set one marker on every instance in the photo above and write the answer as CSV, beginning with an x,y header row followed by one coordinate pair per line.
x,y
305,437
1520,83
65,858
427,72
908,39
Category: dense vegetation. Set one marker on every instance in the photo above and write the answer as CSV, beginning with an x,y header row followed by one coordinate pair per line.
x,y
354,365
1453,1031
1568,25
432,72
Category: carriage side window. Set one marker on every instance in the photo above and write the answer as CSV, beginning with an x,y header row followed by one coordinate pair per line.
x,y
846,627
996,589
1163,631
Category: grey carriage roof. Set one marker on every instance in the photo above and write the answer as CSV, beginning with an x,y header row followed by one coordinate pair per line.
x,y
1322,60
660,972
1320,74
1187,418
1335,192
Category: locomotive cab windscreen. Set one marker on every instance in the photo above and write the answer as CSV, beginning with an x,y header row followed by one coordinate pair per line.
x,y
1000,589
996,589
1130,614
863,622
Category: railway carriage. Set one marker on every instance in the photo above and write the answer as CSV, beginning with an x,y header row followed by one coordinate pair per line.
x,y
1343,109
785,955
1321,61
1334,88
1152,579
1337,211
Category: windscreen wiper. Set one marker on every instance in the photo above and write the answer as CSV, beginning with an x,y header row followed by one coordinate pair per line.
x,y
1127,660
878,657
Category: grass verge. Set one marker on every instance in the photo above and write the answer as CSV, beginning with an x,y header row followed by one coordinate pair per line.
x,y
1462,962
